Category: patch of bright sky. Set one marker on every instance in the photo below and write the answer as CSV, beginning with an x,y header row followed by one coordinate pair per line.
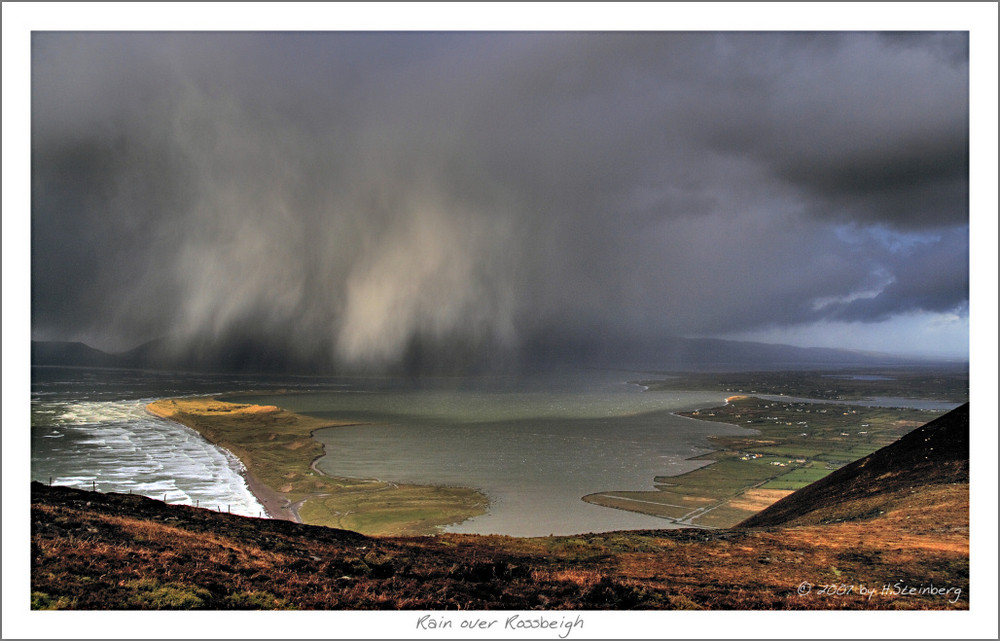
x,y
893,240
881,278
938,335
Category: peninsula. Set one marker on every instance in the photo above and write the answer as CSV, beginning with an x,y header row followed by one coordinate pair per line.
x,y
278,452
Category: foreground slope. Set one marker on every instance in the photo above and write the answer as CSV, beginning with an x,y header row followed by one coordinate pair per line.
x,y
893,535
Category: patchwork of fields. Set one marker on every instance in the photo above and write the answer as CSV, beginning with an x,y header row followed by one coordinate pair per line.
x,y
794,444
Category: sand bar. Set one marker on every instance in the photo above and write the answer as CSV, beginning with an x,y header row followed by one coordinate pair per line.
x,y
278,452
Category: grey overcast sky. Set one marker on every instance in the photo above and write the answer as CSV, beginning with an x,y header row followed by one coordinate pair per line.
x,y
352,191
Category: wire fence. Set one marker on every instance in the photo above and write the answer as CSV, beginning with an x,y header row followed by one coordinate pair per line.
x,y
197,502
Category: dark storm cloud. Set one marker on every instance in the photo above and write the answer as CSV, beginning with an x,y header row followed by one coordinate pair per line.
x,y
917,277
867,129
351,192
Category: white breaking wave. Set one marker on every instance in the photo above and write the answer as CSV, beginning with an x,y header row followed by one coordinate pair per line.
x,y
117,446
95,412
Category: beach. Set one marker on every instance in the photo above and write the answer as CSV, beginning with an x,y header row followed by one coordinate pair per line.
x,y
276,506
278,452
101,441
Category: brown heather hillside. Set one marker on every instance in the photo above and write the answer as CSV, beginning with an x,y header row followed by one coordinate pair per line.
x,y
876,535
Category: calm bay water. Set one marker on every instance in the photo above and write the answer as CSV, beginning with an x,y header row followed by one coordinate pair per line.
x,y
534,446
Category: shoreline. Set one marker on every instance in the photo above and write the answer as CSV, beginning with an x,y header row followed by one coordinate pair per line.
x,y
276,505
686,520
792,447
278,454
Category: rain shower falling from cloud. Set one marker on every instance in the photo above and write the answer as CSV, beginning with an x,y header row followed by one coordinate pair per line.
x,y
356,194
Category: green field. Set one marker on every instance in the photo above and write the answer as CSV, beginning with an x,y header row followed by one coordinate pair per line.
x,y
797,478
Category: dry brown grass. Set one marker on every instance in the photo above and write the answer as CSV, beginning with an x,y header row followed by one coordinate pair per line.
x,y
755,500
168,408
131,552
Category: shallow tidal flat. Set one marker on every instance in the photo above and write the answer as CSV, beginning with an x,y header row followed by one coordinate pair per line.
x,y
796,443
278,451
534,447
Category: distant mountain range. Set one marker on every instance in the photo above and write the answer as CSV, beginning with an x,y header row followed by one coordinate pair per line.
x,y
675,353
243,354
73,354
221,356
707,353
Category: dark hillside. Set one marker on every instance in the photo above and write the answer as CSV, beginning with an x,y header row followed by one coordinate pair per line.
x,y
72,354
